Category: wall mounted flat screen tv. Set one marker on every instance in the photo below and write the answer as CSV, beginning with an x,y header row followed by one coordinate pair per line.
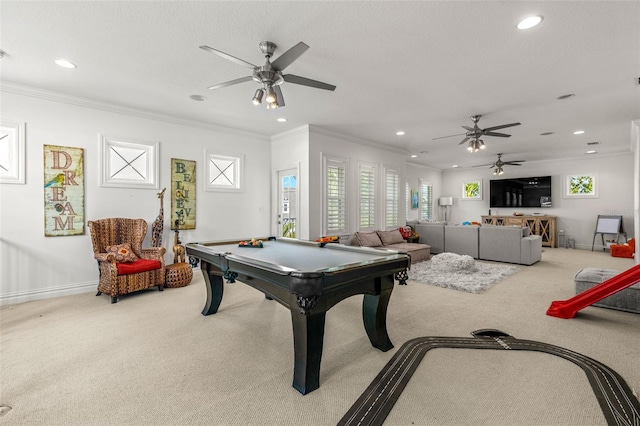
x,y
521,192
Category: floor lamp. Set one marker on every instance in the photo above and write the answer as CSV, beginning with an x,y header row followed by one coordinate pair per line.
x,y
445,202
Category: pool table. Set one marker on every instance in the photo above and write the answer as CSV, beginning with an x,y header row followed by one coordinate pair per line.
x,y
308,278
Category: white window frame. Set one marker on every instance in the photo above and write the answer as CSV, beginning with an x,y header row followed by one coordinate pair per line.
x,y
424,184
217,165
120,154
12,152
343,164
370,199
392,203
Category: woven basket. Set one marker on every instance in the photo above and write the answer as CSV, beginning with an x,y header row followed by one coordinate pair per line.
x,y
178,275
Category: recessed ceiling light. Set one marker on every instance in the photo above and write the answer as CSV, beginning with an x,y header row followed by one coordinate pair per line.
x,y
400,132
529,22
567,96
65,64
455,166
546,133
591,152
578,132
414,155
198,98
282,119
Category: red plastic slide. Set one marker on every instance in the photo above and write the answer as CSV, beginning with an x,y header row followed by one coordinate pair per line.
x,y
568,308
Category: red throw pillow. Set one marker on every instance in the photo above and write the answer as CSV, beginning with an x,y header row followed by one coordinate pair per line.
x,y
122,253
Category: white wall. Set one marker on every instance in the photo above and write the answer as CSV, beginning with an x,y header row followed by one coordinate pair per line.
x,y
576,216
32,266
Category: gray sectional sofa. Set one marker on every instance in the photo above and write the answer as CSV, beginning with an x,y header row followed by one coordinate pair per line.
x,y
510,244
392,240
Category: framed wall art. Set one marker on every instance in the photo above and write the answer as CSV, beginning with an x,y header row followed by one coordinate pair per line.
x,y
183,193
414,199
12,152
128,163
580,185
223,173
63,191
472,190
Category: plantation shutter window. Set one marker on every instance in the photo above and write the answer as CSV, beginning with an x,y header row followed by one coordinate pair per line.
x,y
407,198
426,201
367,191
336,200
391,199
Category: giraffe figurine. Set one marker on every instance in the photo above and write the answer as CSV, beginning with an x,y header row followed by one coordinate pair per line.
x,y
158,225
178,250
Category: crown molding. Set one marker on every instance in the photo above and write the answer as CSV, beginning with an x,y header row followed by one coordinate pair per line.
x,y
320,130
119,109
297,131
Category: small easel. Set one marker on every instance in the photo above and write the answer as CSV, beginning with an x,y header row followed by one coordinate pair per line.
x,y
608,225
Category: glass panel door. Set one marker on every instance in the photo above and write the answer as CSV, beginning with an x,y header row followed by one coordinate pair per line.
x,y
287,203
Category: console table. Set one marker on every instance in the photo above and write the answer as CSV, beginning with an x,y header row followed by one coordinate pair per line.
x,y
545,226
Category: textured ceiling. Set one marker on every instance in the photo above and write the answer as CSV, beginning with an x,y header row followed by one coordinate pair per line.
x,y
421,67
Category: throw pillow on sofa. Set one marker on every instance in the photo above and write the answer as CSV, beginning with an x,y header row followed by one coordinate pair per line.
x,y
367,239
390,237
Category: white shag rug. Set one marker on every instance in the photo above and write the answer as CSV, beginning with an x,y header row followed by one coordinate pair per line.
x,y
460,272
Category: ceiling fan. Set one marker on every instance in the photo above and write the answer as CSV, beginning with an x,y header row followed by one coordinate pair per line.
x,y
474,133
270,74
497,166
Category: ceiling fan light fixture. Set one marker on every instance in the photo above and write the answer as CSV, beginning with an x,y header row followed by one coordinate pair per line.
x,y
257,98
271,95
272,105
482,145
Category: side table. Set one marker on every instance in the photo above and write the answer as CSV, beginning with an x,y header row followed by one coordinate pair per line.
x,y
177,275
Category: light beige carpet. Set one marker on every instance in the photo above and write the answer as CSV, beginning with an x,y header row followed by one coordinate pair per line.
x,y
153,359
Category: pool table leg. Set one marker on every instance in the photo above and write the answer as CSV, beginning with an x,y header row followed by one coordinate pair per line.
x,y
374,314
308,336
215,289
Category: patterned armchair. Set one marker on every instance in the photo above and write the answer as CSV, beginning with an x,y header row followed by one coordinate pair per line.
x,y
124,265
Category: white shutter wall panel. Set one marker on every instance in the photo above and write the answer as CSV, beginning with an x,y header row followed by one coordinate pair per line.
x,y
336,201
367,191
426,201
391,199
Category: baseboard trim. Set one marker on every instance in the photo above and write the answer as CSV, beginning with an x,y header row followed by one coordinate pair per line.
x,y
47,293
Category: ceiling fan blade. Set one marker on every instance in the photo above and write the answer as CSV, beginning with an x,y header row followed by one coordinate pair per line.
x,y
295,79
503,126
468,128
464,140
228,57
450,136
484,165
500,135
289,56
515,162
230,83
279,97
